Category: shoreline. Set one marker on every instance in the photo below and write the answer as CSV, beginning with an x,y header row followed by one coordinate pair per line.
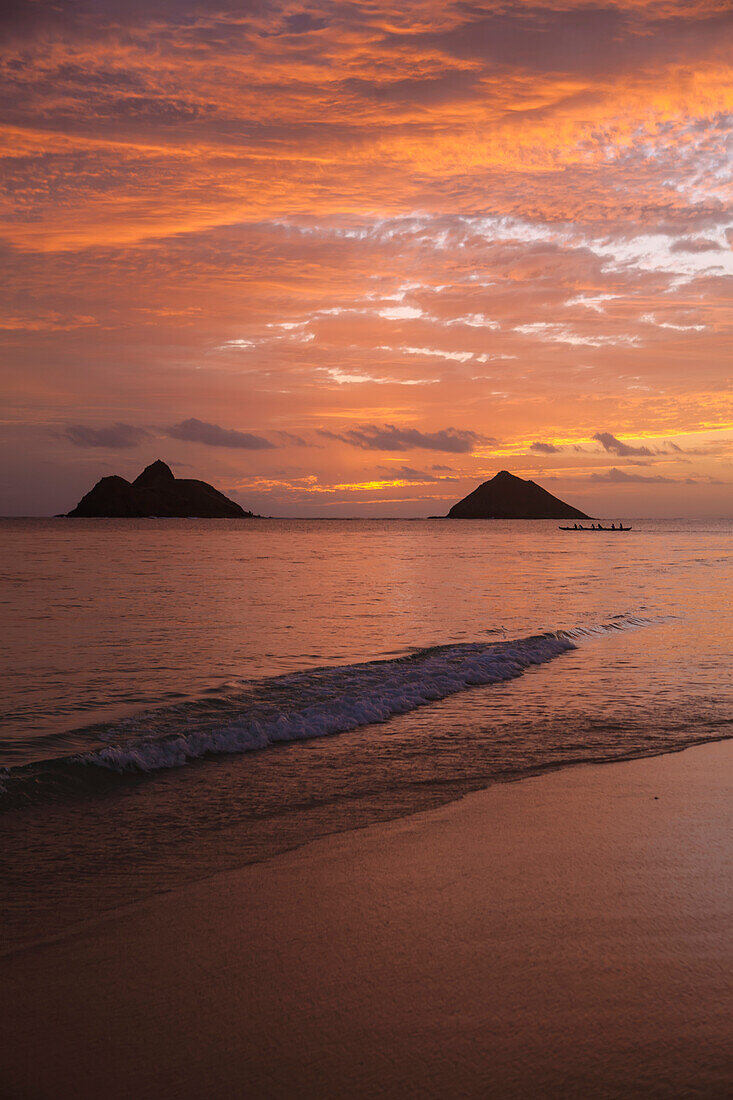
x,y
29,815
569,932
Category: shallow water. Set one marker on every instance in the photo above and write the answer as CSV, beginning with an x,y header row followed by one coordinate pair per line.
x,y
142,644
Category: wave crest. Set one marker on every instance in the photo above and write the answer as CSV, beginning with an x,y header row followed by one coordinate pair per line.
x,y
297,706
335,700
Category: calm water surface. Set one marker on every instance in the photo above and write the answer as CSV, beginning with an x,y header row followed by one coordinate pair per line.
x,y
133,648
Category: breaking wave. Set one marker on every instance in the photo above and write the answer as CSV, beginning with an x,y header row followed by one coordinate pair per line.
x,y
335,700
298,706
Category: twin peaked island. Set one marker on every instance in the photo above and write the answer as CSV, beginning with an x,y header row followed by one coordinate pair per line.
x,y
156,492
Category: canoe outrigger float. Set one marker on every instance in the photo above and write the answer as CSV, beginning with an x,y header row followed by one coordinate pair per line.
x,y
596,527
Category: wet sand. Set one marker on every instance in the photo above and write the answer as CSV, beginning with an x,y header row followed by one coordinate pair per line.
x,y
566,935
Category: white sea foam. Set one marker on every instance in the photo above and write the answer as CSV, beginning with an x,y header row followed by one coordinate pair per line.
x,y
322,701
334,700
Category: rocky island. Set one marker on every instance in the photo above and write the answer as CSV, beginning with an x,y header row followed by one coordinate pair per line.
x,y
506,496
156,492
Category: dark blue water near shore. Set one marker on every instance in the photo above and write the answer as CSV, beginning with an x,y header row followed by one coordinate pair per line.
x,y
187,696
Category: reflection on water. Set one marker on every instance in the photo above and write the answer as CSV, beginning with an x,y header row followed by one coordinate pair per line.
x,y
105,618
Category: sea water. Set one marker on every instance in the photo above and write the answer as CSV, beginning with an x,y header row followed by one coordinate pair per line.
x,y
183,696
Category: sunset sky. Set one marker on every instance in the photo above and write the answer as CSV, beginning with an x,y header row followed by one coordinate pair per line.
x,y
354,258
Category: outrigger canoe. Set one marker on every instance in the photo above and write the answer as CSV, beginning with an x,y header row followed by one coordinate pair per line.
x,y
598,528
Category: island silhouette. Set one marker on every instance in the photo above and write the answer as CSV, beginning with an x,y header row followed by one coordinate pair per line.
x,y
156,492
506,496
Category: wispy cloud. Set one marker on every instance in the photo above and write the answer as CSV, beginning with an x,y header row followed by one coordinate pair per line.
x,y
116,436
475,320
621,477
563,334
436,353
389,437
354,377
616,446
696,244
596,302
400,313
287,439
199,431
408,473
651,319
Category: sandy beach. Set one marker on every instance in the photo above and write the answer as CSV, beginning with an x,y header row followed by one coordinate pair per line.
x,y
566,935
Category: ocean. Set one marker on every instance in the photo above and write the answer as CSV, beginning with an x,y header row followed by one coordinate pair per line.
x,y
182,697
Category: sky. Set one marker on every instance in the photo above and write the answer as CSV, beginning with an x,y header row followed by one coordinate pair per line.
x,y
352,259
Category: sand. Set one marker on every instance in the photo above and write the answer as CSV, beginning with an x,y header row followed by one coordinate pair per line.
x,y
566,935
